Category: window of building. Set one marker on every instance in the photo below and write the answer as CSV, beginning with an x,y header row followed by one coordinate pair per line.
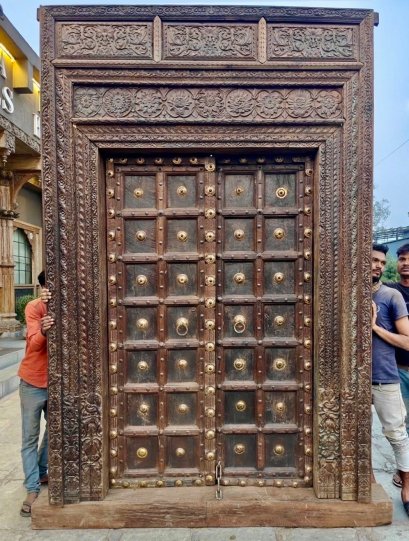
x,y
22,254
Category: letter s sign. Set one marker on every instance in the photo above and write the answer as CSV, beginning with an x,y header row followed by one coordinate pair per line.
x,y
7,100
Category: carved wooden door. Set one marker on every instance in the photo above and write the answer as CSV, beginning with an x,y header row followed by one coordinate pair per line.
x,y
210,320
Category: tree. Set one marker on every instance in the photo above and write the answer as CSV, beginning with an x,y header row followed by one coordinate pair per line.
x,y
390,273
381,212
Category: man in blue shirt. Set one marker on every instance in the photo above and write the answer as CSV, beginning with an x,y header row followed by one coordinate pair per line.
x,y
390,330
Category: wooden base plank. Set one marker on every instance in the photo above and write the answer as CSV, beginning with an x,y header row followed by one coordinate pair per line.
x,y
198,508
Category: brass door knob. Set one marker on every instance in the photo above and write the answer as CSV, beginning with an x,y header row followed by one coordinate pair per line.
x,y
182,236
239,448
239,324
279,233
142,452
138,193
239,234
281,192
278,277
181,190
182,363
183,408
239,277
279,450
280,407
182,326
239,364
279,364
180,452
141,280
182,279
279,320
144,408
143,366
140,235
241,405
142,324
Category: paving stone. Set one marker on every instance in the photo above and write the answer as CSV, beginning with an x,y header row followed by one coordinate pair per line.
x,y
316,534
156,534
234,534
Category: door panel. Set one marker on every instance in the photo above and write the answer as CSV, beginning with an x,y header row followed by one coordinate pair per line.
x,y
210,320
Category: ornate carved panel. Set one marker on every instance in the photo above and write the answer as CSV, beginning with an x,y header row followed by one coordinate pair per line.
x,y
105,40
193,104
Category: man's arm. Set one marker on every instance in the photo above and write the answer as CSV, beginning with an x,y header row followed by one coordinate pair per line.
x,y
399,339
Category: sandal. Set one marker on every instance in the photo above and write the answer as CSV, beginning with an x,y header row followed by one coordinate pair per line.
x,y
25,510
396,480
44,479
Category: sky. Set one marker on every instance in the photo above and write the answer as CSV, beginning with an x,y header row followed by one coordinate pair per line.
x,y
391,150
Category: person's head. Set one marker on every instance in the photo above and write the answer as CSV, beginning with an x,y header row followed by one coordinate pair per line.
x,y
41,278
403,261
379,252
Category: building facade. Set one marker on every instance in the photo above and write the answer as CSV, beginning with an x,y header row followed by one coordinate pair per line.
x,y
20,172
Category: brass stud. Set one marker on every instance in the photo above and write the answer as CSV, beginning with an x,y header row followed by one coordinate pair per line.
x,y
308,451
209,166
182,236
307,430
210,280
209,479
210,303
210,236
113,453
140,235
239,324
279,233
307,299
113,412
242,483
281,192
113,346
210,324
144,408
307,321
110,174
308,190
241,405
113,470
142,453
278,277
279,450
239,448
308,211
307,408
141,280
261,159
113,368
140,160
279,321
113,434
307,233
239,190
111,213
209,391
110,192
239,234
114,390
112,324
210,190
210,369
126,484
279,363
210,434
180,452
112,280
182,363
243,160
158,161
307,479
183,408
278,483
111,235
210,412
307,365
210,346
193,160
181,190
210,455
307,387
308,469
210,258
307,277
294,484
143,366
210,213
261,483
239,364
177,160
112,258
113,482
239,277
112,302
142,324
143,484
159,483
198,482
182,279
307,343
307,254
280,407
138,193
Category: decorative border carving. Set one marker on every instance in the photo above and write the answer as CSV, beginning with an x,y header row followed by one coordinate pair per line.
x,y
32,142
330,42
192,104
211,42
96,40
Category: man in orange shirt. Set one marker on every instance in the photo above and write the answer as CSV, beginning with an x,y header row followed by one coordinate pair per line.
x,y
33,372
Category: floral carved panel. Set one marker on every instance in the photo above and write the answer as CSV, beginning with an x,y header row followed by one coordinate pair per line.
x,y
191,104
210,42
308,42
105,40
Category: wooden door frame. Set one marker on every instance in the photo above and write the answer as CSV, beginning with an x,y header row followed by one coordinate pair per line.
x,y
74,148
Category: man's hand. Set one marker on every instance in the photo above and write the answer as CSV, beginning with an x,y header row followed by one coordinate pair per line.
x,y
46,323
374,314
45,295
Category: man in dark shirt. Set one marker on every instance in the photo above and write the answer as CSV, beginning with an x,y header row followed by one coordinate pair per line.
x,y
390,329
402,356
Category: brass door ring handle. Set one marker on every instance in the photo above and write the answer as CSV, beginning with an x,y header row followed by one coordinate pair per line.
x,y
239,324
182,326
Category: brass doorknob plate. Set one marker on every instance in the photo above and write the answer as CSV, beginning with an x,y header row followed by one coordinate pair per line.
x,y
142,324
182,279
182,236
239,234
239,277
279,233
140,235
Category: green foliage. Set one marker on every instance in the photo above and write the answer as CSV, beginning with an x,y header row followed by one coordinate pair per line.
x,y
390,273
381,212
21,304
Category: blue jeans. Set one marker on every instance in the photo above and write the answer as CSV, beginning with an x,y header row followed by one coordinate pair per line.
x,y
404,387
33,401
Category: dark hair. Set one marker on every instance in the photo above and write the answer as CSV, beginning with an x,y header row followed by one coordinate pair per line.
x,y
380,248
402,249
41,278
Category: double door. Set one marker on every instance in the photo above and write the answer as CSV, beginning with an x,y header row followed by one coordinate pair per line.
x,y
210,320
